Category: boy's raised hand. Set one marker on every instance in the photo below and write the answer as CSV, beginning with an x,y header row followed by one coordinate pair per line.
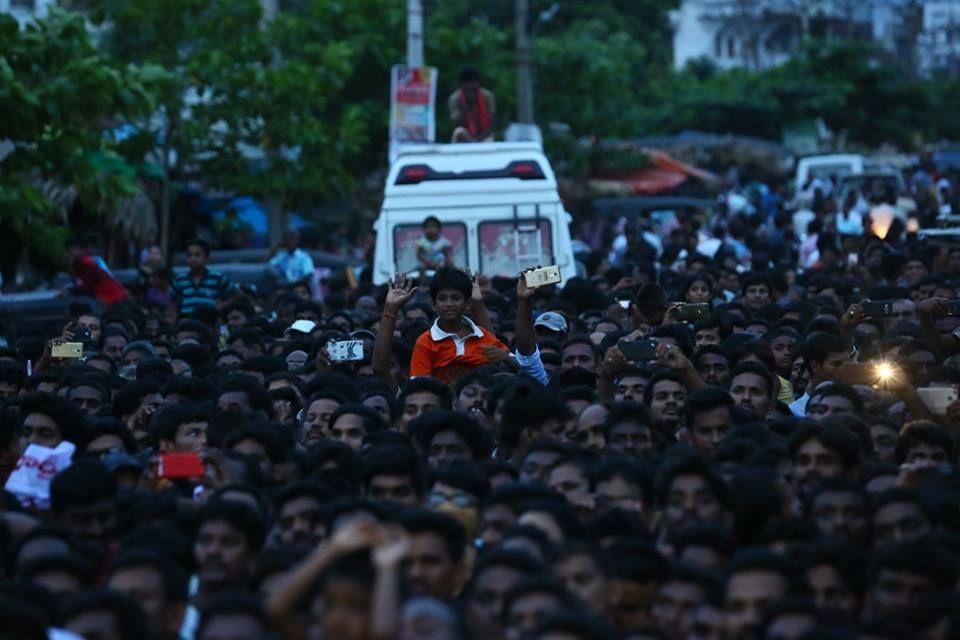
x,y
523,291
399,291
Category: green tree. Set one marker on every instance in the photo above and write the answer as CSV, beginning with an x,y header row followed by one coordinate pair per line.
x,y
58,97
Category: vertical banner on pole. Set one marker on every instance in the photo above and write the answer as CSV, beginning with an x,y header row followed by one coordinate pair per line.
x,y
413,96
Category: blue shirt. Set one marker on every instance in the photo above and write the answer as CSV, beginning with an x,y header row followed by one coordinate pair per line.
x,y
294,266
208,290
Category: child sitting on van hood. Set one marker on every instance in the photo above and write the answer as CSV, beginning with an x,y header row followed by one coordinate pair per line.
x,y
454,344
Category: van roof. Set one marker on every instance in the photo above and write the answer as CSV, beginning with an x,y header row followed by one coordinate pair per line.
x,y
466,149
470,168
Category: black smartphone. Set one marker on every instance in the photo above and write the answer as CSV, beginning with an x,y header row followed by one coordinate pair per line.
x,y
693,311
639,350
877,308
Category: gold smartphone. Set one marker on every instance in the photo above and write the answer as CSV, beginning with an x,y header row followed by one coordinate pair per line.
x,y
542,276
67,350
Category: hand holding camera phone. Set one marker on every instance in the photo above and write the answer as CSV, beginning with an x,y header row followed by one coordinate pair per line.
x,y
345,351
638,350
180,465
692,311
67,350
542,276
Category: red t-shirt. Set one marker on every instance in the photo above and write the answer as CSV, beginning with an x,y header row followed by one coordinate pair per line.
x,y
446,357
91,280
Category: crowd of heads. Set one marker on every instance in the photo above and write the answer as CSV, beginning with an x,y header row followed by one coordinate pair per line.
x,y
738,479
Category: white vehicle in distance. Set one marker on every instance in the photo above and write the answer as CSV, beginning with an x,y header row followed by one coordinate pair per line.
x,y
498,204
825,167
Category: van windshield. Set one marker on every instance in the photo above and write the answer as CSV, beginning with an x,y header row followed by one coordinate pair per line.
x,y
406,237
506,248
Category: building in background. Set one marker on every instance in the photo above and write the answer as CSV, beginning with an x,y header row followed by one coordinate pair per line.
x,y
938,44
760,34
26,10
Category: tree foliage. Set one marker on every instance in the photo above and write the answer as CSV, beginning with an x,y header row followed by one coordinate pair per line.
x,y
58,96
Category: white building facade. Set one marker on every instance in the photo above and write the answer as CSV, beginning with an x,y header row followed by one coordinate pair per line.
x,y
26,10
759,34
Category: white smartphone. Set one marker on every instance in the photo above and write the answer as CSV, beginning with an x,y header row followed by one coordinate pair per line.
x,y
938,399
345,350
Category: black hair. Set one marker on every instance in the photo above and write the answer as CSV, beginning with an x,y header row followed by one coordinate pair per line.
x,y
200,242
97,426
440,524
431,220
427,385
256,395
372,422
901,495
628,469
193,389
753,279
706,399
392,460
684,464
713,536
239,516
84,482
840,389
164,423
922,556
68,418
529,409
450,278
516,560
578,624
760,370
465,476
758,559
818,346
18,611
658,377
129,620
175,580
69,563
469,74
918,432
425,427
128,398
638,561
842,442
238,603
268,434
540,584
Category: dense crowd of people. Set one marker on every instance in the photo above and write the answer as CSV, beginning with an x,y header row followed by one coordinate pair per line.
x,y
673,446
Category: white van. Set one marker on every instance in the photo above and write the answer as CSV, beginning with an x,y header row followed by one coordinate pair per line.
x,y
835,165
498,203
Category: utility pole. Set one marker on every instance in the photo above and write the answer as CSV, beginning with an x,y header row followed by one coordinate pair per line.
x,y
524,79
414,33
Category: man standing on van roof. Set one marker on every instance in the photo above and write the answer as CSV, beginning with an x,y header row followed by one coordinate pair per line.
x,y
472,109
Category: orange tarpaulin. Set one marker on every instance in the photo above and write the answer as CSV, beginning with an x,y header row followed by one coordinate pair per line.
x,y
661,175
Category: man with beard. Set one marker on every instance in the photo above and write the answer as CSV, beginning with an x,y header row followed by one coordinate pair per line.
x,y
753,388
229,538
300,514
665,395
822,452
434,563
689,492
